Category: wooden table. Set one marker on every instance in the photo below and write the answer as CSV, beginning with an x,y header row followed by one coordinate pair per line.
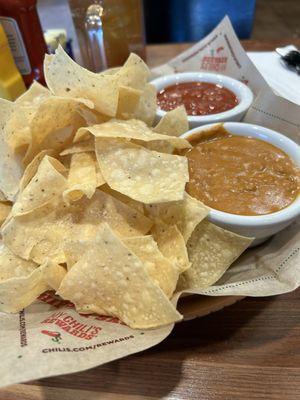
x,y
250,350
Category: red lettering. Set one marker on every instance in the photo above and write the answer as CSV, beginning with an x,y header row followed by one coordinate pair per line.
x,y
68,318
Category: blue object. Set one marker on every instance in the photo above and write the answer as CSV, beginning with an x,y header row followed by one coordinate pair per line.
x,y
191,20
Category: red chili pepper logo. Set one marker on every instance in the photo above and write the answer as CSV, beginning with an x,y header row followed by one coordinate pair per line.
x,y
56,336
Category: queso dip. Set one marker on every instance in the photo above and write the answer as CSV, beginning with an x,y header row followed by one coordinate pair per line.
x,y
240,175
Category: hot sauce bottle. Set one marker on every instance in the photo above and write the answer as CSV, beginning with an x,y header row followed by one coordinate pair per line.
x,y
21,23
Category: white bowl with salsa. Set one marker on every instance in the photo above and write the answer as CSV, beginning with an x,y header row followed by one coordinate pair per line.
x,y
207,97
248,175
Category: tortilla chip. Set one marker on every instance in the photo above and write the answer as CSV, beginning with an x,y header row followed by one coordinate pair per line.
x,y
114,279
5,209
46,185
144,175
47,229
171,244
18,293
18,126
2,196
53,274
173,123
10,164
34,95
134,73
32,168
91,117
17,131
130,129
21,282
128,101
99,176
186,214
66,78
110,71
146,109
75,249
160,270
211,251
136,205
12,266
81,147
62,137
162,147
53,125
82,179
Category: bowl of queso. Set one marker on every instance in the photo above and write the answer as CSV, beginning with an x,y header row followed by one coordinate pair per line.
x,y
207,97
248,175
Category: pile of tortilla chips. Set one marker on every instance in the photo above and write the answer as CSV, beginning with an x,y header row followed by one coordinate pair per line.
x,y
93,202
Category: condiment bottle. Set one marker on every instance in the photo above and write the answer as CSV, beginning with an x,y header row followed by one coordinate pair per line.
x,y
21,23
11,82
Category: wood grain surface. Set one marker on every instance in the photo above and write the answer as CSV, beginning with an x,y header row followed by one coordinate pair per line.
x,y
160,53
250,350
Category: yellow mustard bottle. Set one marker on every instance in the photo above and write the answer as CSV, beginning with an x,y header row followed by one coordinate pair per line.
x,y
11,82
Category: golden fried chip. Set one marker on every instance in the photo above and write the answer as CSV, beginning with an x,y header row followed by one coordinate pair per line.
x,y
211,251
112,278
130,129
34,95
53,274
136,205
32,168
11,169
17,131
110,71
171,244
173,123
82,179
80,147
160,269
91,117
47,184
12,266
144,175
21,281
18,127
75,249
2,196
48,228
99,176
134,73
186,214
53,125
128,101
146,108
5,208
66,78
18,293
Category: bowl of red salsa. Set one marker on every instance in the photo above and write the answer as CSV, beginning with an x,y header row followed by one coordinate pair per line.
x,y
207,97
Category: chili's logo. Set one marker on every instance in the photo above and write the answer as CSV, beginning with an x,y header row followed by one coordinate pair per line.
x,y
55,336
216,61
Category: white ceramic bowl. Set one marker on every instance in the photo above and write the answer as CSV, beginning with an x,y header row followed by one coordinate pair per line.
x,y
242,92
262,226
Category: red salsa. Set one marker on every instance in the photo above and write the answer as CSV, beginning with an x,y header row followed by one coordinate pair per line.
x,y
199,98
